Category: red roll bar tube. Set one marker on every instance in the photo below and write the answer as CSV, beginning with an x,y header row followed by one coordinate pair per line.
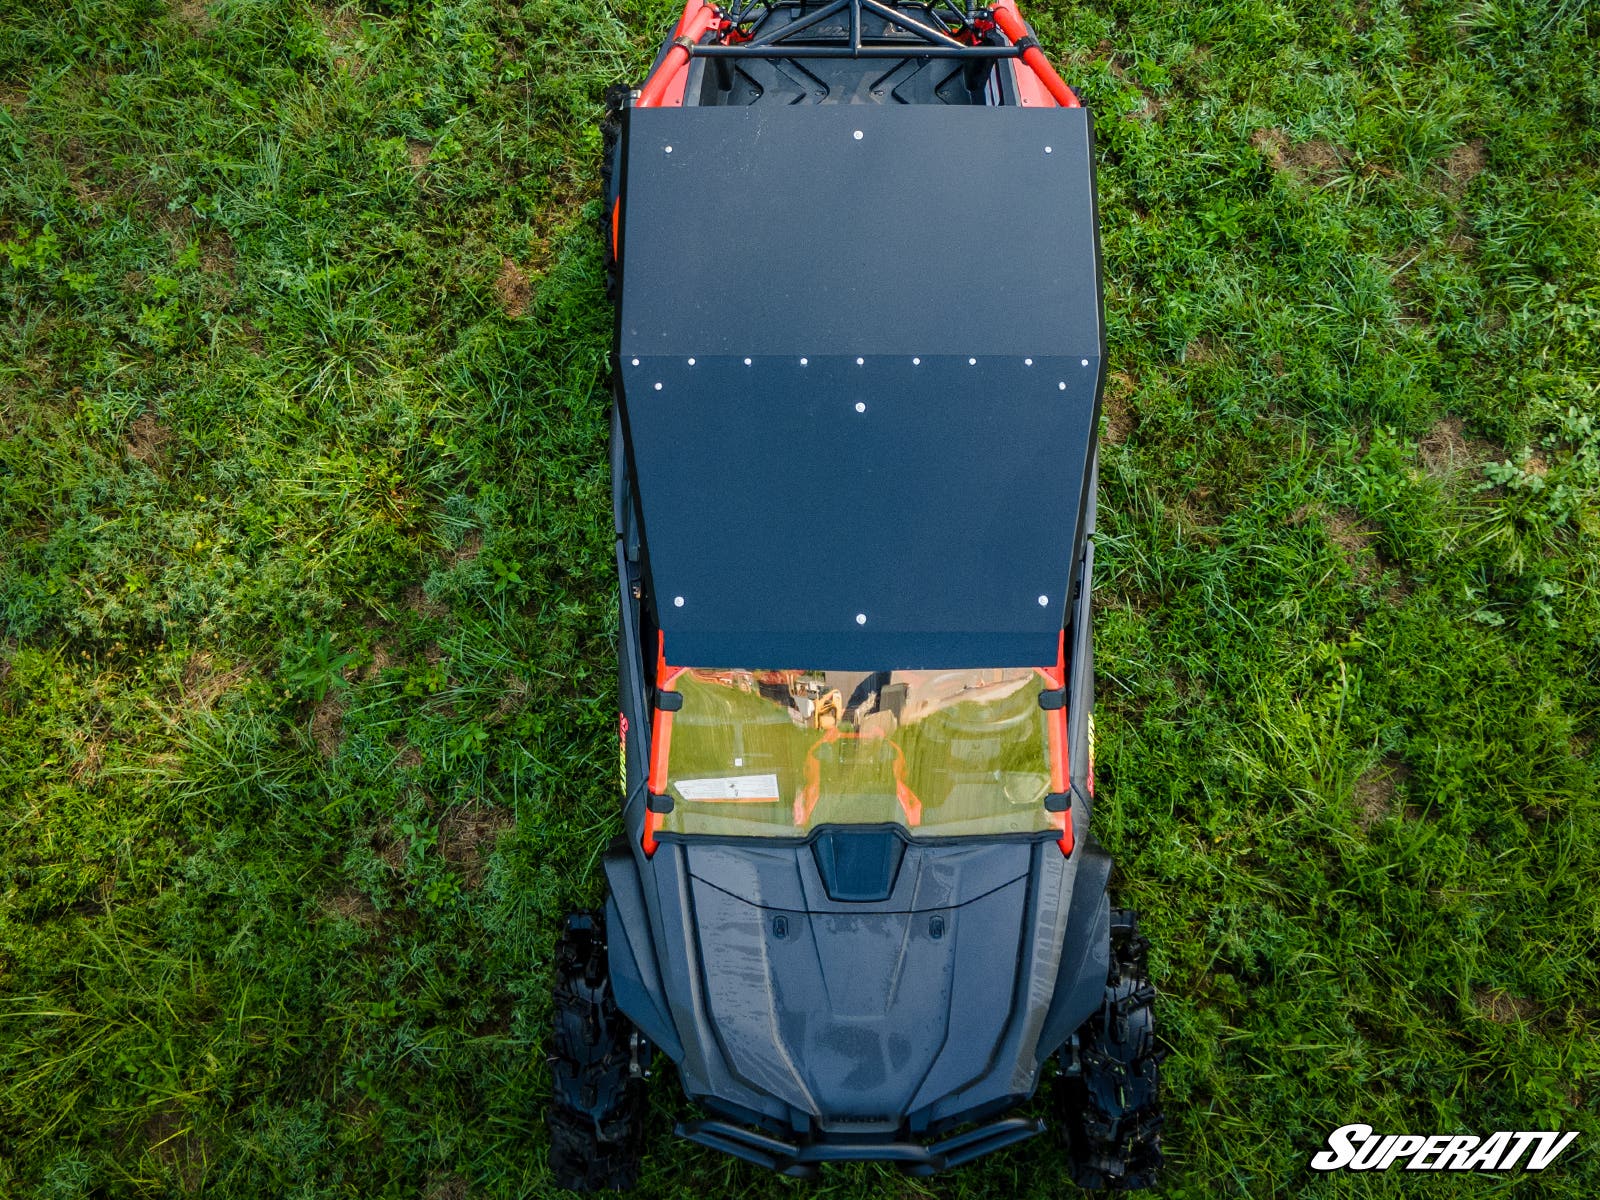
x,y
690,7
1056,724
691,28
1010,23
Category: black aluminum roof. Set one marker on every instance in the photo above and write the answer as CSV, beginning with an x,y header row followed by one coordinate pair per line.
x,y
860,351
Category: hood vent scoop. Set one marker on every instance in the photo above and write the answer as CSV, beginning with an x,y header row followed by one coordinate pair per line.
x,y
858,864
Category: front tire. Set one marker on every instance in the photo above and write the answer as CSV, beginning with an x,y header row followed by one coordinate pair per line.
x,y
596,1118
1111,1105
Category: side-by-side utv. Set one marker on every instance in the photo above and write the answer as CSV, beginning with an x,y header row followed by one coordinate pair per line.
x,y
858,356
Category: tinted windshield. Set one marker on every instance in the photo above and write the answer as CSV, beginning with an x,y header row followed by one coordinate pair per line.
x,y
775,753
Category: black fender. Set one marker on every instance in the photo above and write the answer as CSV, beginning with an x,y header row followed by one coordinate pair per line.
x,y
635,979
1085,954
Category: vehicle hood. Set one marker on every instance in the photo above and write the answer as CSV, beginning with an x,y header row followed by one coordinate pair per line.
x,y
861,1013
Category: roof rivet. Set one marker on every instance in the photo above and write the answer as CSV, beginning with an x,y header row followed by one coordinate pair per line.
x,y
1083,362
860,407
1027,362
669,149
636,362
747,362
972,362
916,362
802,362
861,362
859,135
1047,149
677,602
1062,386
1044,601
861,618
691,362
658,386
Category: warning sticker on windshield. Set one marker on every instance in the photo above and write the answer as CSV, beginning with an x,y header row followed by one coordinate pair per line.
x,y
743,788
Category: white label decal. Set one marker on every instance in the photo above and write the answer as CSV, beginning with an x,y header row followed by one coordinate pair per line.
x,y
734,787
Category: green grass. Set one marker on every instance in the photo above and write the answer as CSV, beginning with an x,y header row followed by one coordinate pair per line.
x,y
307,725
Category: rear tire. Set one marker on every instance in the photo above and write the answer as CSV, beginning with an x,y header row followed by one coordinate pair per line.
x,y
596,1118
1111,1110
616,100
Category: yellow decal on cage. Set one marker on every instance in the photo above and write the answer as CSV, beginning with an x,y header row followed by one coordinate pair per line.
x,y
1091,754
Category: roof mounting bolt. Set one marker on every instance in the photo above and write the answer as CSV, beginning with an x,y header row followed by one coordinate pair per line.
x,y
972,362
747,362
803,362
860,406
916,362
669,149
1047,150
858,135
861,362
677,602
1044,601
1062,386
658,385
636,362
861,618
1083,362
1027,362
691,362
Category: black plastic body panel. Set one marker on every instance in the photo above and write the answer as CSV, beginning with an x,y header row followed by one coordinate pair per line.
x,y
1086,952
634,978
858,864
